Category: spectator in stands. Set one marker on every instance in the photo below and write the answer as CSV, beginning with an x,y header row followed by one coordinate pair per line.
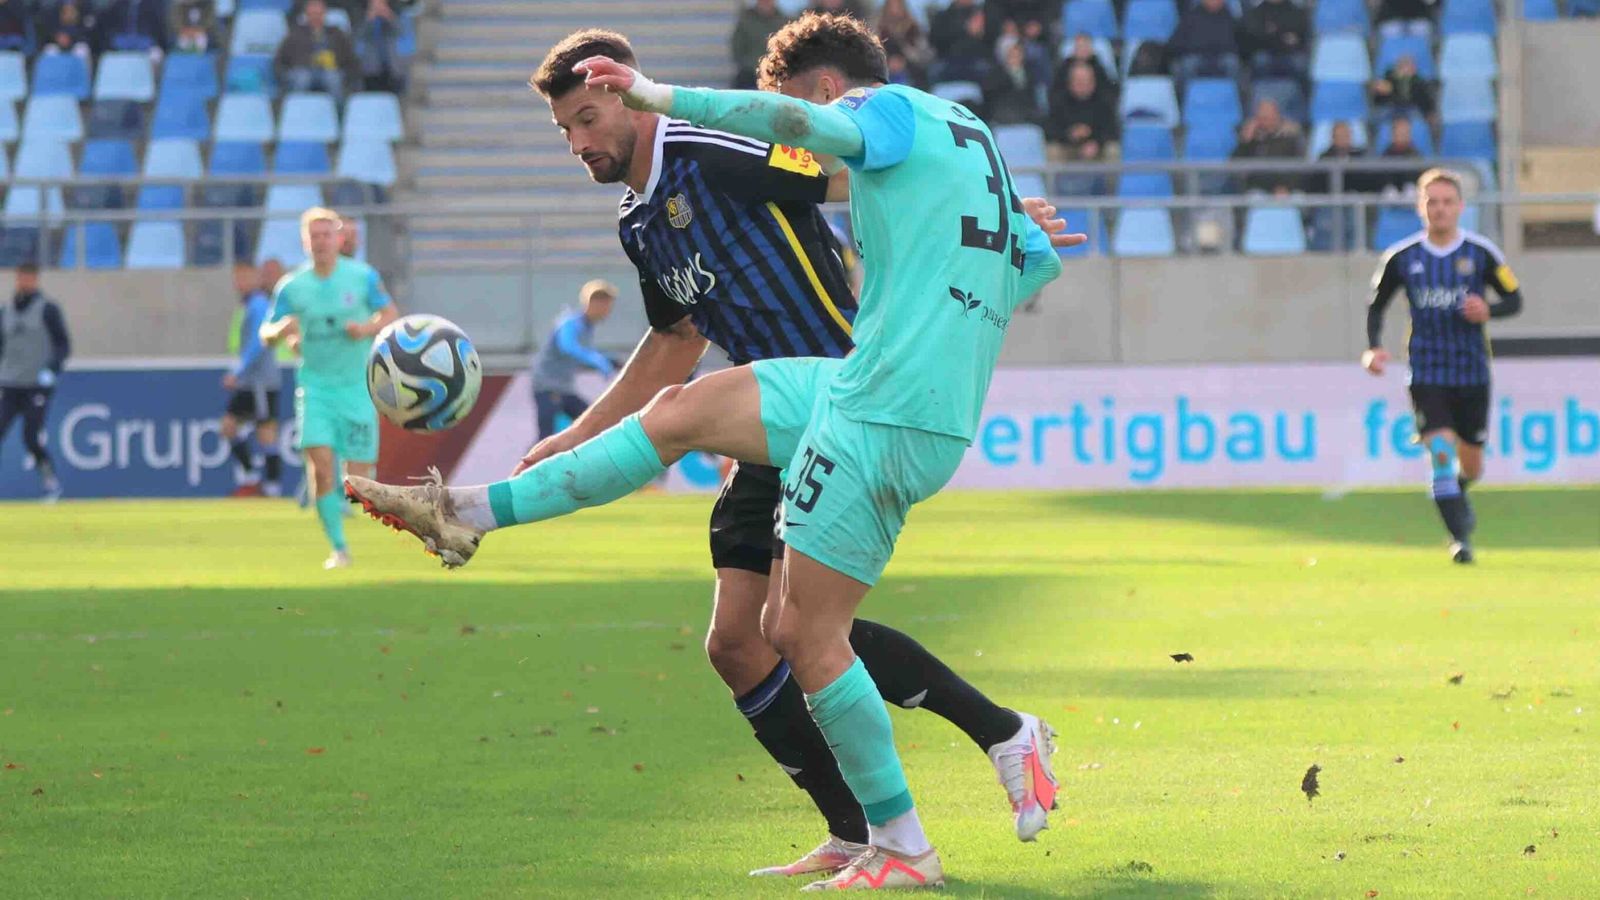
x,y
1010,96
1277,30
1149,58
1341,148
66,29
902,34
379,42
194,22
1206,41
1402,90
854,8
1268,135
16,26
1083,54
315,57
949,25
1039,13
134,25
968,57
1036,53
1402,145
748,42
1396,17
349,237
1083,119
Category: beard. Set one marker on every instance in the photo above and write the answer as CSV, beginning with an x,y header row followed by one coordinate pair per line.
x,y
613,169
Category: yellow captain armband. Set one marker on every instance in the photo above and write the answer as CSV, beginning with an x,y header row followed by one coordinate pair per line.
x,y
1507,279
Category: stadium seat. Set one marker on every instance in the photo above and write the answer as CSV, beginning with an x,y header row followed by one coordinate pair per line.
x,y
258,32
1466,100
1335,16
1209,142
1143,232
280,239
295,198
346,192
1150,100
192,72
1274,231
172,158
308,117
1021,146
372,162
116,119
1540,10
1391,48
1394,224
10,128
61,73
1208,100
1286,92
1472,140
1095,18
250,75
53,115
5,163
13,76
1467,17
244,117
281,7
25,201
966,92
1085,221
1147,143
1341,57
237,158
1334,100
43,157
1149,20
1467,56
159,197
1420,134
181,113
1145,184
301,158
156,245
125,75
110,157
1322,136
102,249
1028,184
373,116
337,18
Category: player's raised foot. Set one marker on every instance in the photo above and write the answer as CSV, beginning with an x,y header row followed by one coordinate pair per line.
x,y
338,559
424,510
830,856
1023,764
877,869
1461,552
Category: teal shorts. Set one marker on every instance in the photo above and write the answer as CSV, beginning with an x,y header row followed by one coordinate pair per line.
x,y
339,423
847,485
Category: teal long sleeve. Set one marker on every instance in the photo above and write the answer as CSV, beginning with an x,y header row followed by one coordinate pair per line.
x,y
771,117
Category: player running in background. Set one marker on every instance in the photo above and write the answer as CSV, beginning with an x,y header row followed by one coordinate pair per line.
x,y
1443,270
331,307
254,380
34,347
570,348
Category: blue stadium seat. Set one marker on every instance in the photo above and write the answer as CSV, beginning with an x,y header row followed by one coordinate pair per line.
x,y
122,119
295,198
111,157
1209,142
302,158
1021,146
158,197
61,73
281,7
1335,16
373,116
5,162
1420,134
1467,56
1274,231
966,92
192,72
258,32
244,117
1391,48
1084,221
102,249
237,158
1096,18
181,113
1341,57
336,18
1473,140
29,202
1467,100
13,76
280,239
1334,100
250,74
10,128
1467,17
1145,184
1150,100
1028,184
1147,143
1322,136
372,162
125,75
43,157
1286,92
1209,100
1144,232
1149,20
156,245
1540,10
172,158
308,117
1394,223
53,115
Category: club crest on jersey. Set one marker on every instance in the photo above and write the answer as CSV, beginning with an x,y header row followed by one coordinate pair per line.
x,y
679,212
854,99
1464,266
349,299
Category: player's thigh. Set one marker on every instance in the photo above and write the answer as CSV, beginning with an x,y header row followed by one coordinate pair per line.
x,y
1434,409
1469,409
791,392
720,413
812,632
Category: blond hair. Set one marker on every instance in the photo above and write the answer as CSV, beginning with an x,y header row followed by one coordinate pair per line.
x,y
597,287
1436,175
317,214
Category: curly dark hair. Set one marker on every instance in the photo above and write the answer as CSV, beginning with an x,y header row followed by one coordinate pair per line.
x,y
822,39
555,78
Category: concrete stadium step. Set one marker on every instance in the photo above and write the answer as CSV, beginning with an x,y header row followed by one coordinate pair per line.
x,y
611,13
535,35
661,52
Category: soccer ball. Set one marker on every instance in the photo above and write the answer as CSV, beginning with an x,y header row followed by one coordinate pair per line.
x,y
423,373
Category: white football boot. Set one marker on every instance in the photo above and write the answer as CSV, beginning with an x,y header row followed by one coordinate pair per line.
x,y
830,856
878,869
425,511
338,559
1023,764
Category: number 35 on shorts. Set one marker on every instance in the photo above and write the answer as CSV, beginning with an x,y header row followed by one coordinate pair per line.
x,y
804,488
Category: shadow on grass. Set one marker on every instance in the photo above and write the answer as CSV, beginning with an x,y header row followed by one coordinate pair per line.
x,y
1101,885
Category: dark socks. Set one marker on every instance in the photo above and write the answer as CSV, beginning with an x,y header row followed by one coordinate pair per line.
x,y
911,677
272,467
241,454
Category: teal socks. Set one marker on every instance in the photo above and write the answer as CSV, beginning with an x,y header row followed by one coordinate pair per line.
x,y
851,715
614,464
330,510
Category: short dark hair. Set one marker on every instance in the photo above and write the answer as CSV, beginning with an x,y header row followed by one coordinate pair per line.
x,y
555,78
822,39
28,267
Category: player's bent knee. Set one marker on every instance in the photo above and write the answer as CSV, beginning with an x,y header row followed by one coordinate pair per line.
x,y
666,416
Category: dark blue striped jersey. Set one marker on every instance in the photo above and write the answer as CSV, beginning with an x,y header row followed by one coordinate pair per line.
x,y
1446,350
727,232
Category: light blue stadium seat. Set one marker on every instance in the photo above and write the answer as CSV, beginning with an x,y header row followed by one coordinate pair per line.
x,y
1391,48
1207,100
237,158
258,32
281,7
125,75
1209,142
967,92
1467,17
181,113
1474,140
5,162
102,249
1335,16
192,72
1095,18
301,158
1420,134
1286,92
1145,184
1333,100
10,128
1085,221
1394,223
372,162
1341,57
172,158
1028,184
108,157
1468,56
44,158
156,245
30,202
308,117
373,116
158,197
1021,146
1150,100
1147,143
1144,232
336,18
1274,231
244,117
280,239
1322,136
1149,20
1540,10
60,73
1467,100
13,76
53,115
295,198
250,74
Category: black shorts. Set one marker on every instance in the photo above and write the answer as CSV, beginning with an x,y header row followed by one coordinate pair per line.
x,y
1464,410
744,521
252,405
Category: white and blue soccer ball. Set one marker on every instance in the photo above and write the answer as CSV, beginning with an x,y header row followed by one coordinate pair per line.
x,y
423,373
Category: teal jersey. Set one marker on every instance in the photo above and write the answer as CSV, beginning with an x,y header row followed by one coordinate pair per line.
x,y
331,362
949,254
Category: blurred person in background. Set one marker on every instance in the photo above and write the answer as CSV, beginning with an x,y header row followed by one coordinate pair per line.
x,y
255,381
134,25
34,347
1276,31
349,237
1083,120
568,350
967,55
748,42
378,41
194,23
1206,42
1397,17
66,29
946,26
16,26
1010,95
1402,145
1402,90
1083,53
317,57
902,34
1268,135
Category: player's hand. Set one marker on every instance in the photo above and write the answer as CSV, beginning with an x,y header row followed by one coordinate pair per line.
x,y
229,381
357,330
1374,360
1044,215
1475,309
560,442
636,91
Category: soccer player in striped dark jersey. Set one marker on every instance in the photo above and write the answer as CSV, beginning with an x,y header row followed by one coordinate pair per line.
x,y
1444,270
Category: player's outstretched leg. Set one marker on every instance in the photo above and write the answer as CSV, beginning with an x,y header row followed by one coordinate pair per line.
x,y
320,469
1448,495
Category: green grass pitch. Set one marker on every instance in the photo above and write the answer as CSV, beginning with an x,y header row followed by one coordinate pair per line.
x,y
189,706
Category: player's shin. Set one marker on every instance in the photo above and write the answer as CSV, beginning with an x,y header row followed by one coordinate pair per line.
x,y
330,512
1447,493
612,465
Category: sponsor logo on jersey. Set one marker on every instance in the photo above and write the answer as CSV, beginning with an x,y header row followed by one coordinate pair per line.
x,y
1417,268
1440,298
679,212
794,159
854,99
349,299
970,303
1464,266
687,284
